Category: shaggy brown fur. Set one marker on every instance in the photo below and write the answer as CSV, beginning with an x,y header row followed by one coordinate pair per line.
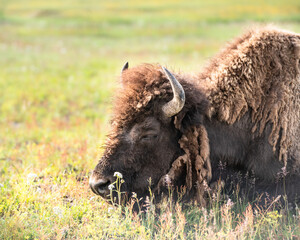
x,y
140,85
195,161
195,144
257,74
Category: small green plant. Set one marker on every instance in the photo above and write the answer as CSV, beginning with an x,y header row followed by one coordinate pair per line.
x,y
116,187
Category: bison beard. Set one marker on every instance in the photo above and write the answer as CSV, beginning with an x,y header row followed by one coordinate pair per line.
x,y
243,110
195,145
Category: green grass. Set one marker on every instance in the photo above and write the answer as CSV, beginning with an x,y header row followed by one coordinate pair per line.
x,y
59,65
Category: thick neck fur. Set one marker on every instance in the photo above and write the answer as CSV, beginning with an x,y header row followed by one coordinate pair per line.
x,y
258,73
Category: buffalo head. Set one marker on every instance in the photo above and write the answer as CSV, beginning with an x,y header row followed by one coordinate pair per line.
x,y
147,138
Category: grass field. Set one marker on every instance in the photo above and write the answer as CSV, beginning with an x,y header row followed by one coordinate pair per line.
x,y
59,65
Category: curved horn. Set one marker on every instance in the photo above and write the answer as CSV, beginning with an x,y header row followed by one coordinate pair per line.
x,y
176,104
124,67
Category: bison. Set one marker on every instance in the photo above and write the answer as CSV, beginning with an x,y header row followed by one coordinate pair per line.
x,y
241,111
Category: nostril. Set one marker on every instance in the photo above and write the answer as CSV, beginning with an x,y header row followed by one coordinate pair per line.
x,y
100,186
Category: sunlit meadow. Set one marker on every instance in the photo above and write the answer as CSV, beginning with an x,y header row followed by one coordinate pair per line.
x,y
59,65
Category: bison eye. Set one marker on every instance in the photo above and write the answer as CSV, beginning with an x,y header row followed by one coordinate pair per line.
x,y
148,138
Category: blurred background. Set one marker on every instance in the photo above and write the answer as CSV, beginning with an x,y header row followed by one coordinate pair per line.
x,y
59,65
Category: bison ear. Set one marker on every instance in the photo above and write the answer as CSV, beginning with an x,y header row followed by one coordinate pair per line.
x,y
124,68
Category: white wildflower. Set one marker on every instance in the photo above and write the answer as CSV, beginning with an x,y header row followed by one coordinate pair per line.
x,y
92,198
167,180
229,203
1,185
118,174
58,211
110,209
111,187
31,177
134,195
39,190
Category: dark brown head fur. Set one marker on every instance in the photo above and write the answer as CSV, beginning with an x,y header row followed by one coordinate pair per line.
x,y
144,143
